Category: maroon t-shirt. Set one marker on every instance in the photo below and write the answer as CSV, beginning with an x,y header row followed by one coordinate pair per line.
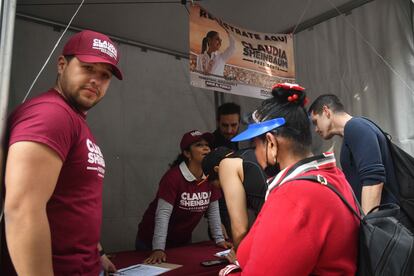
x,y
75,208
190,200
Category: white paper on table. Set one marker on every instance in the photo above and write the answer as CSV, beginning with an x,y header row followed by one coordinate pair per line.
x,y
142,270
223,253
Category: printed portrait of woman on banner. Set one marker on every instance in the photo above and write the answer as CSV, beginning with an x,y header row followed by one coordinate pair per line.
x,y
211,61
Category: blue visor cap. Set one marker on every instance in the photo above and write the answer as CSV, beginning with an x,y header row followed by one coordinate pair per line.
x,y
257,129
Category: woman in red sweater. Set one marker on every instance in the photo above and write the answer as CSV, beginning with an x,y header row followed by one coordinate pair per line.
x,y
303,227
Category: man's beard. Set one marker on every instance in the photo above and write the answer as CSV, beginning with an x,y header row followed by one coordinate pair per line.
x,y
76,102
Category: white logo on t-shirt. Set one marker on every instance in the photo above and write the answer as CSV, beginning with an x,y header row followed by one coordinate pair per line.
x,y
195,201
95,157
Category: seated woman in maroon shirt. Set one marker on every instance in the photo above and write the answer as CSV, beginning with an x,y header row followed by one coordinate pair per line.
x,y
303,227
184,196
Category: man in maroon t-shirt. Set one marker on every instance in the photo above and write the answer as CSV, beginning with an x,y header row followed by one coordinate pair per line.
x,y
55,169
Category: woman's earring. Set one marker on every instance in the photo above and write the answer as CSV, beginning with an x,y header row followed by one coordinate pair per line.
x,y
274,159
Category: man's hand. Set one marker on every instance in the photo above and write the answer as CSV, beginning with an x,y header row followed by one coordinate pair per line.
x,y
157,256
371,196
107,265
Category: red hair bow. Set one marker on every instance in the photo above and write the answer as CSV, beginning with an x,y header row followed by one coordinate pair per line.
x,y
291,86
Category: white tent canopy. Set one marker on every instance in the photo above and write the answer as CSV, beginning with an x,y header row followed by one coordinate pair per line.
x,y
164,23
364,57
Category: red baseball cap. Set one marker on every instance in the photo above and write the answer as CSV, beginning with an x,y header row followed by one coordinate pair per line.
x,y
93,47
194,136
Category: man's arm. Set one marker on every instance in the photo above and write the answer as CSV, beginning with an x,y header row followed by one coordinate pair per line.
x,y
230,174
363,143
371,196
32,170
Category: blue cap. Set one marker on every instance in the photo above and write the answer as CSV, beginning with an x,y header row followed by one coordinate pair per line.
x,y
256,129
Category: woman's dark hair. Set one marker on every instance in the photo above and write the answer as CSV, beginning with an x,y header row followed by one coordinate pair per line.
x,y
213,159
180,158
288,103
208,36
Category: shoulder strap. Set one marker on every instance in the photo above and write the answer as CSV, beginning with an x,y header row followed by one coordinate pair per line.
x,y
322,180
388,137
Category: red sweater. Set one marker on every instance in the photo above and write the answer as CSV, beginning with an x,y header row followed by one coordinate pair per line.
x,y
303,229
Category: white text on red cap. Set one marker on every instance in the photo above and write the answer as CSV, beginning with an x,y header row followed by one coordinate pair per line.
x,y
105,47
196,133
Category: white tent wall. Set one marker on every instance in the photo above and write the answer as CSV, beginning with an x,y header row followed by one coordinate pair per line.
x,y
333,58
138,124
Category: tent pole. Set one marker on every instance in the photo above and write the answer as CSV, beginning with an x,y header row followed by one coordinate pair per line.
x,y
142,45
217,102
343,9
7,15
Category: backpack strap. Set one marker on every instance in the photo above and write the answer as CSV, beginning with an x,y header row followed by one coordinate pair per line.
x,y
386,134
388,138
322,180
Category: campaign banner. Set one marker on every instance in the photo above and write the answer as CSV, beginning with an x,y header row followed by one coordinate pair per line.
x,y
230,59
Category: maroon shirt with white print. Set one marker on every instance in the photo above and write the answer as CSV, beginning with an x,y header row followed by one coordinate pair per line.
x,y
190,200
75,207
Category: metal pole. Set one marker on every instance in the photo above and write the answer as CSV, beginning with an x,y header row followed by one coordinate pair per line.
x,y
343,9
1,14
6,46
7,12
216,103
142,45
218,100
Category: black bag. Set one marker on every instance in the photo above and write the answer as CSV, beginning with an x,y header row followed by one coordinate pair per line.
x,y
404,173
386,247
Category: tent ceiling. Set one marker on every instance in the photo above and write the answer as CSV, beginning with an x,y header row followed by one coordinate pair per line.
x,y
166,24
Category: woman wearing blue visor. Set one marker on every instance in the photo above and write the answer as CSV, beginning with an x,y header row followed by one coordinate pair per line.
x,y
303,228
